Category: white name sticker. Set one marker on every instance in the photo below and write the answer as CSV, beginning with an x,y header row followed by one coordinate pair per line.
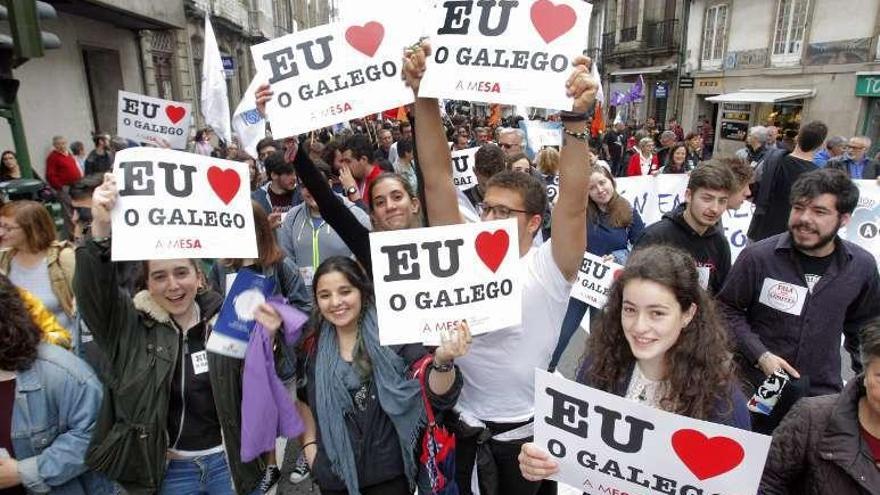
x,y
200,362
308,274
783,296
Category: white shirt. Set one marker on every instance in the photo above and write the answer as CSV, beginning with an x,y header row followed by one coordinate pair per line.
x,y
499,368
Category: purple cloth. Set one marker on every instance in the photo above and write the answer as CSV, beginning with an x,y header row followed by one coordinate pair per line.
x,y
267,411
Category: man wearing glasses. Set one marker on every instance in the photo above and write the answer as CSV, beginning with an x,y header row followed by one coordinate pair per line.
x,y
511,140
855,161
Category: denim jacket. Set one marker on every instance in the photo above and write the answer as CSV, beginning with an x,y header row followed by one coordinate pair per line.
x,y
56,404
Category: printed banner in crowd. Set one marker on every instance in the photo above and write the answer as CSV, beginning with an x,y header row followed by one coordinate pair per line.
x,y
430,278
594,280
540,134
181,205
500,52
864,227
463,168
151,120
339,71
607,444
654,196
231,332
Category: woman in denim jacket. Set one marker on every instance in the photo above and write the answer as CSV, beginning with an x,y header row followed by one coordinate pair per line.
x,y
49,400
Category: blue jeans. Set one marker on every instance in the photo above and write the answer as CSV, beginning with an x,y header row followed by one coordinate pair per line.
x,y
573,317
207,475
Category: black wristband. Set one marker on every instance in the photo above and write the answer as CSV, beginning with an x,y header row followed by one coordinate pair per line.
x,y
567,116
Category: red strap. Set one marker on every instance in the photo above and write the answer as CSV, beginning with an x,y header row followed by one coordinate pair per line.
x,y
421,373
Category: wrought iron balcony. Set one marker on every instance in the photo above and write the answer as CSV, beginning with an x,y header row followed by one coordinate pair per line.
x,y
608,42
661,34
629,34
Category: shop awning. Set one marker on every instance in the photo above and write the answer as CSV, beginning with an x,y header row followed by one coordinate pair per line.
x,y
763,95
656,69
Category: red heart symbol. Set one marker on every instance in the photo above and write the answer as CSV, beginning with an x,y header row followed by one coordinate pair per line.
x,y
491,248
706,457
367,38
174,113
225,183
552,21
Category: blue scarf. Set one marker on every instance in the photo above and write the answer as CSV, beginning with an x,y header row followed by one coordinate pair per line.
x,y
399,397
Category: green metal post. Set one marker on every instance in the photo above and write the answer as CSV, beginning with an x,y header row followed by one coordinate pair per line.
x,y
16,125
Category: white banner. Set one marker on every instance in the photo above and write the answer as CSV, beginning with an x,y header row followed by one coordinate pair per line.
x,y
463,168
864,227
607,444
181,205
146,119
654,196
339,71
516,53
595,277
428,279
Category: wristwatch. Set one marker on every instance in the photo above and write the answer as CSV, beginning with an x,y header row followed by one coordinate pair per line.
x,y
351,190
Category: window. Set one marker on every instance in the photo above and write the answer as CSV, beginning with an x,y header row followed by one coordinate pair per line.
x,y
714,34
788,36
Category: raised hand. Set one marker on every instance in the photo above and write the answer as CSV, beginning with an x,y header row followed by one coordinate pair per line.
x,y
581,85
414,63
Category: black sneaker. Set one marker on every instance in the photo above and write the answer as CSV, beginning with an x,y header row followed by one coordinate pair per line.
x,y
300,471
270,478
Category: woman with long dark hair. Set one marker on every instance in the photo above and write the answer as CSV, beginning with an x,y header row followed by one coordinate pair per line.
x,y
677,161
49,401
9,168
660,343
613,228
367,411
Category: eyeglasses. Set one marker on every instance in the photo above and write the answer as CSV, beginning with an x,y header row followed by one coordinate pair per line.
x,y
507,145
500,212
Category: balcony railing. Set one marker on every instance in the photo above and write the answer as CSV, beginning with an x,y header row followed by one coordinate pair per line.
x,y
629,34
661,34
608,42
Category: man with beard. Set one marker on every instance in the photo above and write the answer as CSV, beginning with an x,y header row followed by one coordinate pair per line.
x,y
789,297
693,226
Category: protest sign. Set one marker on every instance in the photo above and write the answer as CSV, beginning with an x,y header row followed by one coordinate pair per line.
x,y
180,205
339,71
428,279
594,280
231,332
146,119
607,444
540,134
864,227
463,168
654,196
500,52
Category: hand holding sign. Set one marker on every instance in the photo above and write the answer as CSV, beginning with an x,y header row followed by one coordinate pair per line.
x,y
268,317
414,62
453,344
535,463
103,201
581,85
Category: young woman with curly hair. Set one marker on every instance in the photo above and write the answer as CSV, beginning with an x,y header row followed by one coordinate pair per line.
x,y
49,400
660,343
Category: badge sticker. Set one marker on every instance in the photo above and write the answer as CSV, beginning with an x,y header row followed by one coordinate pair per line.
x,y
783,296
200,362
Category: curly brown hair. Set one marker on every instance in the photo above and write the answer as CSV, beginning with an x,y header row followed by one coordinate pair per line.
x,y
700,367
19,335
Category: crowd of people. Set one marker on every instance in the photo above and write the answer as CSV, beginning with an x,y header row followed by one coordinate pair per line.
x,y
106,385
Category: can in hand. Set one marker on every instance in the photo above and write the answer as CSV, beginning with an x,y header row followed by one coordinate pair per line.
x,y
769,392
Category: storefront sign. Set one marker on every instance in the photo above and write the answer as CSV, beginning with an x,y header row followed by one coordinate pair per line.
x,y
661,90
735,131
854,51
868,85
737,107
686,82
499,52
606,444
736,116
709,86
747,59
228,66
429,279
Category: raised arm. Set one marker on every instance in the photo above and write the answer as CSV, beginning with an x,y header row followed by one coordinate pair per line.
x,y
569,220
435,159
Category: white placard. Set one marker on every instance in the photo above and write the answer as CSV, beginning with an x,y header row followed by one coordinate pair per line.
x,y
463,168
146,119
864,227
339,71
516,53
181,205
540,134
428,279
595,277
654,196
607,444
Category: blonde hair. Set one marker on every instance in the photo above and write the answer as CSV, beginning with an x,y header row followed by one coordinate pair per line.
x,y
548,161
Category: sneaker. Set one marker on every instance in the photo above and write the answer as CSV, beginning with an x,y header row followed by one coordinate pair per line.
x,y
300,471
270,478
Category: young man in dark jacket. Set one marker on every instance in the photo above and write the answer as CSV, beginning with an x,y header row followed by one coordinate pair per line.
x,y
693,226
